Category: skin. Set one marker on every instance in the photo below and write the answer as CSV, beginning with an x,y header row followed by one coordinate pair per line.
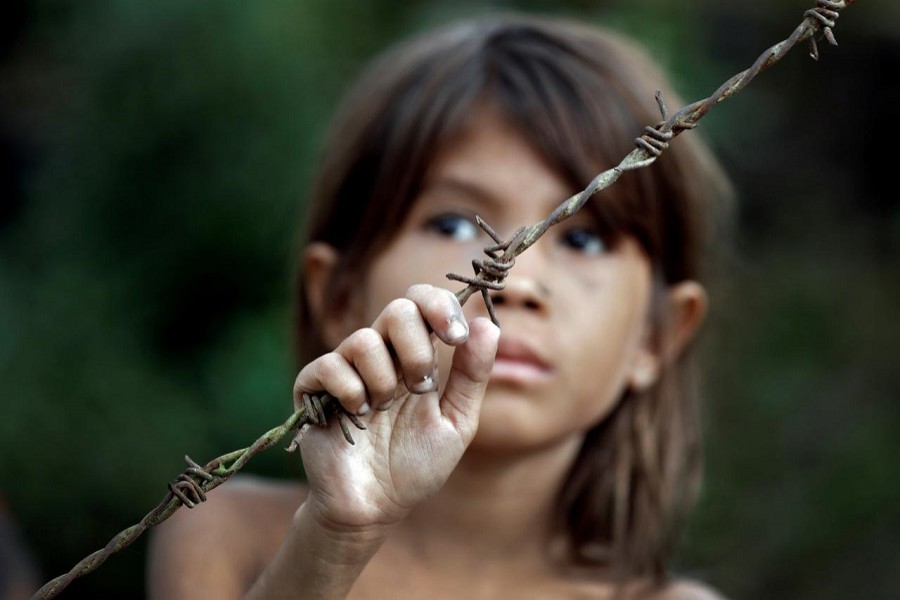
x,y
452,487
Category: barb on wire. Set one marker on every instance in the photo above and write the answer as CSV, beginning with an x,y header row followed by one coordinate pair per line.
x,y
490,273
191,487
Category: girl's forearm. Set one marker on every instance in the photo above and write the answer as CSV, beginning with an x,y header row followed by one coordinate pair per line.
x,y
316,562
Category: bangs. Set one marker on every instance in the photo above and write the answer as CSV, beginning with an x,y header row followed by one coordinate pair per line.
x,y
581,120
568,102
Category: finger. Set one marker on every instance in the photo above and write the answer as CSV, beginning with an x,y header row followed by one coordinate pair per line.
x,y
334,374
469,375
366,350
407,334
442,312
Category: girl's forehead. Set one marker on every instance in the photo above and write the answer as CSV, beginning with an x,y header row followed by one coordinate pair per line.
x,y
494,158
482,143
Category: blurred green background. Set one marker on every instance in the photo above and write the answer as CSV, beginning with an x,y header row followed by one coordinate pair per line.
x,y
154,159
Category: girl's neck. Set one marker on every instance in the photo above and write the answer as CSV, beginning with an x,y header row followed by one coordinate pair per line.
x,y
499,507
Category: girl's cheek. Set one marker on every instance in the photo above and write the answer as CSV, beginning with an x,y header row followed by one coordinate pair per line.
x,y
435,260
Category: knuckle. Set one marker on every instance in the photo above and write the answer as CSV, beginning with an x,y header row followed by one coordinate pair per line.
x,y
298,385
329,363
417,290
335,375
432,300
301,384
364,341
402,310
320,369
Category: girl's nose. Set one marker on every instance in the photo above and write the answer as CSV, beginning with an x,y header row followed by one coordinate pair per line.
x,y
523,291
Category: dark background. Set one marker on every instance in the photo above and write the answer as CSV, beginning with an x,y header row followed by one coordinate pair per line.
x,y
154,159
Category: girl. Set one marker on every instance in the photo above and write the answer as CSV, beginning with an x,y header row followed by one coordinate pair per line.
x,y
556,459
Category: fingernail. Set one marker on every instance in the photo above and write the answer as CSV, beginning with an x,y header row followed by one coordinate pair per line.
x,y
386,405
426,384
363,409
457,329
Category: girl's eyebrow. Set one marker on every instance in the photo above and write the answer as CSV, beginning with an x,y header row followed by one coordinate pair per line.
x,y
463,187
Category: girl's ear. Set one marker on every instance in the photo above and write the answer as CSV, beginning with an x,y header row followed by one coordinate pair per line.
x,y
686,309
319,261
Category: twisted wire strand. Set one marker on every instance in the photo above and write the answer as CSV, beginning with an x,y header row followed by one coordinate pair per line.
x,y
655,139
191,486
189,490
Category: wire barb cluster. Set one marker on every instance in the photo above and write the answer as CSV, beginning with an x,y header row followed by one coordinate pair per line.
x,y
826,13
491,273
317,408
656,138
186,488
191,487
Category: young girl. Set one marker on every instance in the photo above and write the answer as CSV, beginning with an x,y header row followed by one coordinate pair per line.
x,y
556,458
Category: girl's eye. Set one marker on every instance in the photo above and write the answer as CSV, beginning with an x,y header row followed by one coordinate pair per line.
x,y
453,226
583,240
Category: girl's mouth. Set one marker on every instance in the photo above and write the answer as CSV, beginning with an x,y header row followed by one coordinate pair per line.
x,y
518,362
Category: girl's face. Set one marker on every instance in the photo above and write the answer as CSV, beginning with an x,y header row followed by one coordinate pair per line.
x,y
574,312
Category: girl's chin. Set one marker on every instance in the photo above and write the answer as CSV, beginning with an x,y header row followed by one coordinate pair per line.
x,y
512,419
517,432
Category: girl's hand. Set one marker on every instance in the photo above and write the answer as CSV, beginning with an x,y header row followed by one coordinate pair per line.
x,y
414,440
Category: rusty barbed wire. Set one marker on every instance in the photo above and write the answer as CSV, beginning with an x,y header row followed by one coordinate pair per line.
x,y
191,486
650,145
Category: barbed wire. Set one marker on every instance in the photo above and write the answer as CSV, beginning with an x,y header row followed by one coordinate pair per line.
x,y
192,485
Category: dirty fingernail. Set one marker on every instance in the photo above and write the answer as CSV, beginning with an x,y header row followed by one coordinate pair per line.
x,y
426,384
457,329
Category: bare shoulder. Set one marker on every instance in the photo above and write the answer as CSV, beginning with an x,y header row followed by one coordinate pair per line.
x,y
218,548
586,585
686,589
675,589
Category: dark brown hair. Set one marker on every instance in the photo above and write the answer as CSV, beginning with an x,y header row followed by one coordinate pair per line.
x,y
580,96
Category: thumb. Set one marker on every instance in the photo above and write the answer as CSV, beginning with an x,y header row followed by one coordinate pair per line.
x,y
469,374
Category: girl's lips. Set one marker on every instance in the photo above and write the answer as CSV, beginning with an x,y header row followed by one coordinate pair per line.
x,y
518,362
